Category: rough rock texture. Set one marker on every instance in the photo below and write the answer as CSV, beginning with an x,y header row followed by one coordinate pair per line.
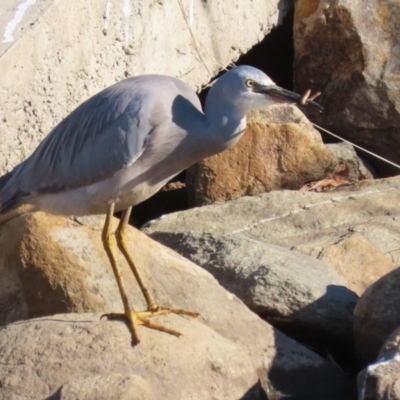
x,y
359,169
350,51
376,316
62,52
296,293
310,223
381,379
280,150
63,261
357,261
50,265
103,387
82,354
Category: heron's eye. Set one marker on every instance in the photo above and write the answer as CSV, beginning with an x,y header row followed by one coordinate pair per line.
x,y
250,83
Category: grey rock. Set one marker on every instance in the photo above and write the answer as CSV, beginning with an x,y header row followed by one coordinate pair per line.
x,y
381,380
303,221
294,292
359,168
71,352
376,316
105,387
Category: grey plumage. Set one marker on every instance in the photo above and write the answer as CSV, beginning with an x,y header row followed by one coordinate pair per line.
x,y
133,137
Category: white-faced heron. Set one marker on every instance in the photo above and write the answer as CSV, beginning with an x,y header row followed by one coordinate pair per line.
x,y
123,144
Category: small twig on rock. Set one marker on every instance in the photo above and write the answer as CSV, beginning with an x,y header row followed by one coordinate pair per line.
x,y
314,96
304,98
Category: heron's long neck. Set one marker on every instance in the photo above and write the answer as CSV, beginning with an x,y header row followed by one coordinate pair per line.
x,y
225,123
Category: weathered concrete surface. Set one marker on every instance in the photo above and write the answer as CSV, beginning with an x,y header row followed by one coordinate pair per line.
x,y
280,150
64,51
51,265
350,51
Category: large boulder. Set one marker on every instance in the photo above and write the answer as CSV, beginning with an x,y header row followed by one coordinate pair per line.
x,y
280,150
332,226
80,356
53,265
296,293
49,265
349,50
93,358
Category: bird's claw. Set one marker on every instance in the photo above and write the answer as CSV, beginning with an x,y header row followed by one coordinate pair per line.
x,y
142,318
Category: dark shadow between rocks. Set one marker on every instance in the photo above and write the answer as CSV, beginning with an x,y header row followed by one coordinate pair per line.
x,y
255,393
56,395
306,382
323,324
323,341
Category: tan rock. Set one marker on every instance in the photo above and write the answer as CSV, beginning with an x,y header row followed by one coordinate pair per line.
x,y
349,50
280,150
105,387
357,261
81,355
55,265
42,276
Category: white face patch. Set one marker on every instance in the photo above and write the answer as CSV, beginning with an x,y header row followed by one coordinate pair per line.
x,y
265,82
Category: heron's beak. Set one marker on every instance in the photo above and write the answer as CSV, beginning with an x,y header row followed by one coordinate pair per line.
x,y
281,95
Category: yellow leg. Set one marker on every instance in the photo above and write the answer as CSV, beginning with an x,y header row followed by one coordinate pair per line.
x,y
134,318
120,234
152,306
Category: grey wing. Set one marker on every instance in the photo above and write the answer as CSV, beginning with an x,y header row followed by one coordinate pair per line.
x,y
101,137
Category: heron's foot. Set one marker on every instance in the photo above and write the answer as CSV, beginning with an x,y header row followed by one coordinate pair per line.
x,y
155,308
142,318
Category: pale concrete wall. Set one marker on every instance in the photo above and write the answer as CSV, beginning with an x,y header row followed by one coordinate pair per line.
x,y
61,52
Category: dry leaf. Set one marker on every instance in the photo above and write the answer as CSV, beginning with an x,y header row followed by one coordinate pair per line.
x,y
337,178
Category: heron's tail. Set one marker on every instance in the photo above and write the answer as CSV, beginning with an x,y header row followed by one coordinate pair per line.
x,y
10,198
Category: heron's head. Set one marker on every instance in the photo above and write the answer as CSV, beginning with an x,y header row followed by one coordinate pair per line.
x,y
247,88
